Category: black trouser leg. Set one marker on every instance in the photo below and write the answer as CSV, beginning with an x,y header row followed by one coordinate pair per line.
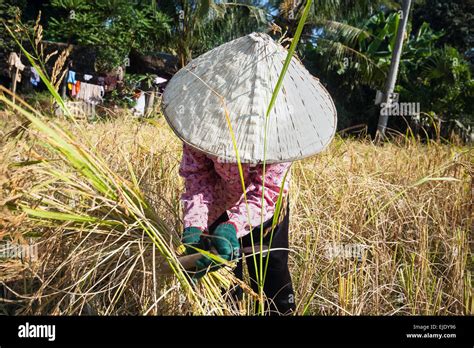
x,y
278,287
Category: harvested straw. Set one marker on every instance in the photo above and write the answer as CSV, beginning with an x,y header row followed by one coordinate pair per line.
x,y
108,225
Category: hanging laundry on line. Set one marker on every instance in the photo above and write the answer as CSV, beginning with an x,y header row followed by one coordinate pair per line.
x,y
34,78
15,62
90,93
71,77
73,84
76,88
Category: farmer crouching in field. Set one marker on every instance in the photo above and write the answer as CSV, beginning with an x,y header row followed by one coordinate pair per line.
x,y
217,105
214,194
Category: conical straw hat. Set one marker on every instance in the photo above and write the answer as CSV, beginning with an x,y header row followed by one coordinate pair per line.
x,y
240,77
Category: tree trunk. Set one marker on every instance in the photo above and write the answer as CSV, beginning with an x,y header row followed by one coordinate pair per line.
x,y
392,74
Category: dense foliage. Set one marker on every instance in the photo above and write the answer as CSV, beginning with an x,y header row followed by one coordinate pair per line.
x,y
355,62
347,44
114,27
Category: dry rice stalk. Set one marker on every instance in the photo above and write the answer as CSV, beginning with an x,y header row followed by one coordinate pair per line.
x,y
58,74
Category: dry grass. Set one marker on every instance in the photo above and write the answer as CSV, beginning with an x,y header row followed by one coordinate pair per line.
x,y
407,203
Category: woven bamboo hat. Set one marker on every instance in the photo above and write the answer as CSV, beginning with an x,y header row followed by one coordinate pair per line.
x,y
237,80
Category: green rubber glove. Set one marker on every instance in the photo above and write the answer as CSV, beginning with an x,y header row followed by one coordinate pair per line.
x,y
191,238
225,241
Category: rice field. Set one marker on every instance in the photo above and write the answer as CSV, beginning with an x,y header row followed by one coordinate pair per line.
x,y
375,229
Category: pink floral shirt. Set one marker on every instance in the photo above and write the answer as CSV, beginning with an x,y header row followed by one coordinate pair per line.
x,y
213,187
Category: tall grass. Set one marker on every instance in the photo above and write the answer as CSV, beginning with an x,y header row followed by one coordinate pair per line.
x,y
107,212
89,198
117,199
77,192
417,258
409,205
